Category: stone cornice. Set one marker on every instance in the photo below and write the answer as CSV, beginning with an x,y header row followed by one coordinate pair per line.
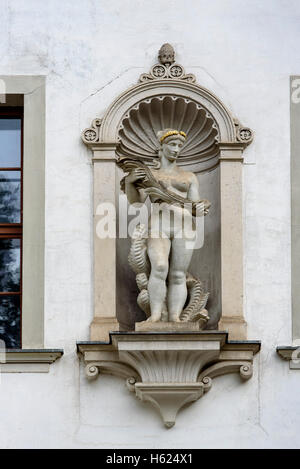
x,y
290,353
28,360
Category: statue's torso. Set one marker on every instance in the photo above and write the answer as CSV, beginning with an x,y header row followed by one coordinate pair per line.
x,y
177,182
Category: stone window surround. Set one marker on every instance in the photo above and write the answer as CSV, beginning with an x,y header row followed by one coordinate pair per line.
x,y
295,218
33,357
288,352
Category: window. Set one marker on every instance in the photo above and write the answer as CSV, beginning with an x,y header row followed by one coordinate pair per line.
x,y
11,188
22,225
27,94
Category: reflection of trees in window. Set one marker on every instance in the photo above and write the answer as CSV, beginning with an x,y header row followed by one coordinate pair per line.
x,y
10,320
10,282
10,226
9,265
9,197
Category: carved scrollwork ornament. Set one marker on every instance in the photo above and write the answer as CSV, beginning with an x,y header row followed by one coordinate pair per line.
x,y
243,134
92,371
207,382
246,371
91,134
163,72
130,383
169,372
167,68
159,71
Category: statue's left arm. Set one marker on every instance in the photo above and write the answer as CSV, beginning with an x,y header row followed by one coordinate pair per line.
x,y
194,194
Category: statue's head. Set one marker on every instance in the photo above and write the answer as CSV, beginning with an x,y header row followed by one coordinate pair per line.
x,y
171,142
166,54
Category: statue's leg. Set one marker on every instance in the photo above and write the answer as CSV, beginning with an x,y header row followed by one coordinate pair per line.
x,y
158,253
181,256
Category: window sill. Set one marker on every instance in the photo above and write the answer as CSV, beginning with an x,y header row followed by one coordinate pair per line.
x,y
28,360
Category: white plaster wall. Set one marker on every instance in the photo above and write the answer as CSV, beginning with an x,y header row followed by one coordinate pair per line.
x,y
90,52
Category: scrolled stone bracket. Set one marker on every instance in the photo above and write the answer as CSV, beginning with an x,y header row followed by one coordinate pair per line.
x,y
207,383
244,368
92,370
112,367
244,134
91,134
130,383
169,369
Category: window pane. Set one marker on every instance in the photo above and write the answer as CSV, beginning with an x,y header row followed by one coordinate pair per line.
x,y
10,330
10,265
10,143
10,196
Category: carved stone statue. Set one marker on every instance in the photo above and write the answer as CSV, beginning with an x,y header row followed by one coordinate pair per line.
x,y
160,256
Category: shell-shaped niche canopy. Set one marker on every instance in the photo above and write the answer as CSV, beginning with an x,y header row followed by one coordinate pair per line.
x,y
138,129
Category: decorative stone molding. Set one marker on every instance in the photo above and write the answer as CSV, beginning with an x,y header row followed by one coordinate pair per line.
x,y
161,72
169,398
107,129
28,360
112,367
243,134
185,114
91,135
167,68
168,369
291,354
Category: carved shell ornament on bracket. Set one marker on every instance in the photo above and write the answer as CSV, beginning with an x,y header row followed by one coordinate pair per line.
x,y
139,127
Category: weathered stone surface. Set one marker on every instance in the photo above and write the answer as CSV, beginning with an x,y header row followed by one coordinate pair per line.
x,y
161,326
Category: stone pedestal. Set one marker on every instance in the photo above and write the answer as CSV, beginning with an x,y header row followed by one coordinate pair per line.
x,y
161,326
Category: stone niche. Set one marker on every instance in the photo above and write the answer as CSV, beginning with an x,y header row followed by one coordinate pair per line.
x,y
200,154
170,368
